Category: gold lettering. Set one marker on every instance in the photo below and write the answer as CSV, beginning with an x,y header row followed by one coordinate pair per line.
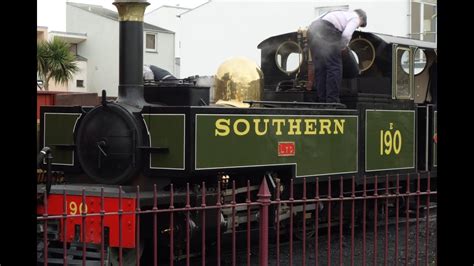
x,y
242,126
325,124
279,123
257,130
339,124
222,127
75,209
246,128
388,142
294,125
310,127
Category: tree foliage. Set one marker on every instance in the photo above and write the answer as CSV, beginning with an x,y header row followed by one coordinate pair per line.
x,y
55,61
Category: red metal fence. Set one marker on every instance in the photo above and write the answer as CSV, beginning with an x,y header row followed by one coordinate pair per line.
x,y
387,221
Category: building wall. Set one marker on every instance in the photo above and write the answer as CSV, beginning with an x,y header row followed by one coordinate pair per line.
x,y
71,85
217,30
81,74
165,17
102,49
164,57
41,33
53,86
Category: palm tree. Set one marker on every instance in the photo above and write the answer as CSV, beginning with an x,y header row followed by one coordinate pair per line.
x,y
56,61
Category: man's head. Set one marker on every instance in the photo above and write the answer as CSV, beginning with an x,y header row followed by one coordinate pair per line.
x,y
362,16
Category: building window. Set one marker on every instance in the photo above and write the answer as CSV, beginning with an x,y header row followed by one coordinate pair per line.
x,y
151,42
80,83
424,20
73,48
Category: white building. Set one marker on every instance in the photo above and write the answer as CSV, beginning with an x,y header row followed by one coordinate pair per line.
x,y
79,79
77,83
101,48
217,30
167,17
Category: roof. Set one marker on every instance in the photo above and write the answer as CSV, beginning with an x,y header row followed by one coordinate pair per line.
x,y
405,41
70,37
167,6
81,58
276,38
107,13
384,37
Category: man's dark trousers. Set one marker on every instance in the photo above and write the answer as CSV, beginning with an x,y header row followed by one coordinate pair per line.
x,y
325,45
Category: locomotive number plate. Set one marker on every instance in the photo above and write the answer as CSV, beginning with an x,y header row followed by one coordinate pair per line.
x,y
286,149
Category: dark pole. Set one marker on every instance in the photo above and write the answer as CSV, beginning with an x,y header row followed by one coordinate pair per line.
x,y
131,14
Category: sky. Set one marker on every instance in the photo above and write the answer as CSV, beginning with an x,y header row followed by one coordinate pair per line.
x,y
52,13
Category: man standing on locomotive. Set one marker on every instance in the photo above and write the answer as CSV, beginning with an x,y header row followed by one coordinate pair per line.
x,y
329,36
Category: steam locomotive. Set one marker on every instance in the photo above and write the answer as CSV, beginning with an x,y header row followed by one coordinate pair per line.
x,y
254,123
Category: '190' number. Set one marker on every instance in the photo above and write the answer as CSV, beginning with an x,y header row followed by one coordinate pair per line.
x,y
75,209
390,141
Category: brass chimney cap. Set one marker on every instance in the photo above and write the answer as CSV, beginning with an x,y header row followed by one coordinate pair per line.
x,y
131,10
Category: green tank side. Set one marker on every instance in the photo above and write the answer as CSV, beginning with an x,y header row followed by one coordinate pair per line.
x,y
166,131
59,134
390,140
315,144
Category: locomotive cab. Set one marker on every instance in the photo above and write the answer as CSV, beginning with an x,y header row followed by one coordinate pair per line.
x,y
390,69
397,76
285,66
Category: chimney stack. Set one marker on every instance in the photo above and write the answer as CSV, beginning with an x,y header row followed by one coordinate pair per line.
x,y
131,13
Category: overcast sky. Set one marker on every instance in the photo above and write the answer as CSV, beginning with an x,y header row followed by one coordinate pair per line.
x,y
52,13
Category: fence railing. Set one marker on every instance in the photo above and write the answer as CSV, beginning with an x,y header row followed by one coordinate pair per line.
x,y
378,220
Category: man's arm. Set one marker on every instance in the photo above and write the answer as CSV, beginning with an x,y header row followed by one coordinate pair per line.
x,y
349,30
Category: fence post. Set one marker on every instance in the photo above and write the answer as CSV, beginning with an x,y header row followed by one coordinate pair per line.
x,y
264,199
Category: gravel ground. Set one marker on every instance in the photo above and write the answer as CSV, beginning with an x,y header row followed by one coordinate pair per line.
x,y
413,255
369,251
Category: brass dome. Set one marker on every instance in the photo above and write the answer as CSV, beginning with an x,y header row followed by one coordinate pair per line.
x,y
238,79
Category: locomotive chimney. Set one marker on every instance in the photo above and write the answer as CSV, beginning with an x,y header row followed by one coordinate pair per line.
x,y
131,14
